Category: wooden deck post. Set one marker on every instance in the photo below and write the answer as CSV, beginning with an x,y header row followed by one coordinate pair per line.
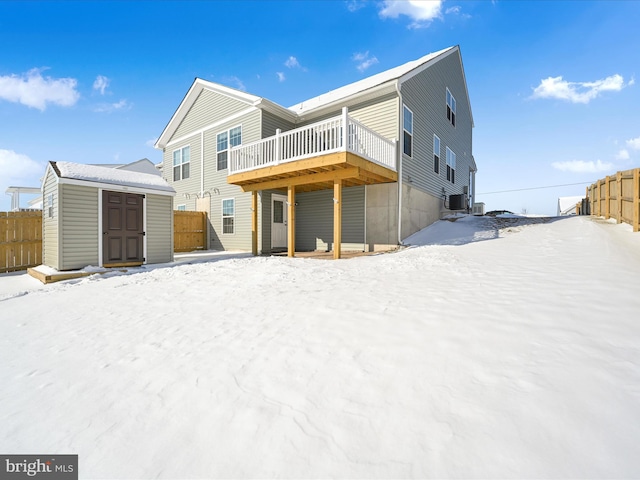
x,y
636,199
337,218
291,228
254,222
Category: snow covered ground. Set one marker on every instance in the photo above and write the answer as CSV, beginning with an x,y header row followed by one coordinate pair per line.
x,y
494,348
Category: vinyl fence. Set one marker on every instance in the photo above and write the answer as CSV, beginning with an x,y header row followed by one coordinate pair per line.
x,y
20,240
617,196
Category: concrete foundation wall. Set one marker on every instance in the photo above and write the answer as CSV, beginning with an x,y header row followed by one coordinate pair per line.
x,y
382,216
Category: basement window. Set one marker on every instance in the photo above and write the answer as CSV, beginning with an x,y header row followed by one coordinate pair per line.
x,y
228,215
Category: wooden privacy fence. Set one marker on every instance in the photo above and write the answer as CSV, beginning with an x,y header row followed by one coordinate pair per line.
x,y
20,240
617,196
189,231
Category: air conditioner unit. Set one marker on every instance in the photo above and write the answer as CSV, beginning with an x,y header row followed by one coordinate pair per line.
x,y
458,202
478,208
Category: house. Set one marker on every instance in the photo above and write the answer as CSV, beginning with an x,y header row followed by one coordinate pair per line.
x,y
567,205
358,168
107,217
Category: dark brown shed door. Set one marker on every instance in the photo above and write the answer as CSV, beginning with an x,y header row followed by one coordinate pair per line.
x,y
122,229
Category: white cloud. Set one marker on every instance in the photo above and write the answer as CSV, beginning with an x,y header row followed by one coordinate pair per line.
x,y
292,62
112,107
281,77
101,83
622,154
34,90
456,10
355,5
580,166
422,12
18,170
634,143
577,92
363,60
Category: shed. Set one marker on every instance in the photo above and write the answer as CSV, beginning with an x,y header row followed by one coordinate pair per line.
x,y
105,217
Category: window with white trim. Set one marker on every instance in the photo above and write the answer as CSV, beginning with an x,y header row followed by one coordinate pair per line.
x,y
451,108
181,161
181,208
407,126
228,215
451,166
224,141
436,154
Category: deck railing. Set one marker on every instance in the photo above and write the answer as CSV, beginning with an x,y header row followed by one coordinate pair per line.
x,y
320,138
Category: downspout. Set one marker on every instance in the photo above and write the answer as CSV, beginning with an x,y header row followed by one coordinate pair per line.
x,y
399,153
201,165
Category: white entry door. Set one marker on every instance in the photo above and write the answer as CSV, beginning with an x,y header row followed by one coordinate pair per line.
x,y
278,221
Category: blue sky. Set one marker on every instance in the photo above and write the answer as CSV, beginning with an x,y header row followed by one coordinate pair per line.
x,y
552,84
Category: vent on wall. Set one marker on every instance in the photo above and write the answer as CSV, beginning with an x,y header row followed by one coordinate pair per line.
x,y
458,202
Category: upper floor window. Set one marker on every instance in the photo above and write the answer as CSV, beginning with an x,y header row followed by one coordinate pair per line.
x,y
407,126
181,158
436,154
451,166
451,108
226,140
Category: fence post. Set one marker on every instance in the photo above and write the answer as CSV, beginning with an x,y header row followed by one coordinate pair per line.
x,y
636,199
619,197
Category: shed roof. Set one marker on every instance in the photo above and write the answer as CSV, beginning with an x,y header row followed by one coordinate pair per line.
x,y
112,176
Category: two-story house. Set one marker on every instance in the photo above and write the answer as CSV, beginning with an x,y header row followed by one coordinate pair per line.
x,y
358,168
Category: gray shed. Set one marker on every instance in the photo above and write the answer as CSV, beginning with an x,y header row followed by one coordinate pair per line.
x,y
104,217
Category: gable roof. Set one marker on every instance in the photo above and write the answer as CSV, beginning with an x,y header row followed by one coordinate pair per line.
x,y
111,176
378,84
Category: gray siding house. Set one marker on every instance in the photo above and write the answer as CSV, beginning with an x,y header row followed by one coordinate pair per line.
x,y
358,168
107,217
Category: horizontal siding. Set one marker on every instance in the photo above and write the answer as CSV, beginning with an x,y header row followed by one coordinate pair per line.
x,y
50,224
270,123
215,183
314,219
208,108
425,95
186,189
78,227
159,233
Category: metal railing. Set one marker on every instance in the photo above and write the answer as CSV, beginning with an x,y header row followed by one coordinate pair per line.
x,y
319,138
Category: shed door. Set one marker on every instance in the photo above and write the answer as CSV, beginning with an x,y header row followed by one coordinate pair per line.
x,y
122,229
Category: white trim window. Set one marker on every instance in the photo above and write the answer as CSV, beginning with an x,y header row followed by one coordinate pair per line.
x,y
451,108
181,162
451,166
228,215
436,154
407,127
182,208
225,141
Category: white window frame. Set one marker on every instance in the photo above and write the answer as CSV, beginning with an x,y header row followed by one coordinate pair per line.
x,y
182,207
451,108
436,154
409,133
182,163
228,147
451,165
232,216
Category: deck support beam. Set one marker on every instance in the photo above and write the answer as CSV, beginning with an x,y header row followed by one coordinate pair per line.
x,y
254,222
337,218
291,227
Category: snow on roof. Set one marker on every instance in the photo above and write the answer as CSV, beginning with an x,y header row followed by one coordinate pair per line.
x,y
567,205
92,173
364,84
